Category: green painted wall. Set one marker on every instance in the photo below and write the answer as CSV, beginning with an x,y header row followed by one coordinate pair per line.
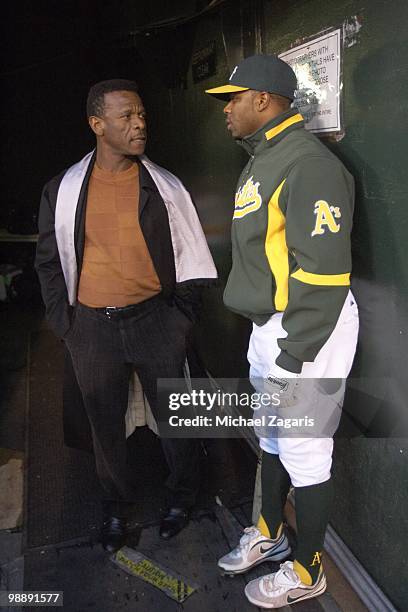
x,y
371,474
188,136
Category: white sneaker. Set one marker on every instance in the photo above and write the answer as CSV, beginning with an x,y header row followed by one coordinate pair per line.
x,y
254,548
283,588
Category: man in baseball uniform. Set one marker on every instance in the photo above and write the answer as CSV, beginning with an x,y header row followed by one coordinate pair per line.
x,y
291,277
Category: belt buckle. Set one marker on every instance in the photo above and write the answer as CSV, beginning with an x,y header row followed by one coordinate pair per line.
x,y
110,310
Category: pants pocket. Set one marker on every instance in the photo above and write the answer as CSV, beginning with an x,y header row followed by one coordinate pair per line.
x,y
174,324
68,335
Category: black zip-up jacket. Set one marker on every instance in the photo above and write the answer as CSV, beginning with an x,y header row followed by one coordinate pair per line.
x,y
154,224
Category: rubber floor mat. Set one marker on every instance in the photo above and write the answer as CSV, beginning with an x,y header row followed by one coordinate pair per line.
x,y
62,493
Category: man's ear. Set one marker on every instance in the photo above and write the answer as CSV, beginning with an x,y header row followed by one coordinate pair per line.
x,y
262,101
96,124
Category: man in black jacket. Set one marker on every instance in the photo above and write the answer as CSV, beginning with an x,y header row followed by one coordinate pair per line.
x,y
119,279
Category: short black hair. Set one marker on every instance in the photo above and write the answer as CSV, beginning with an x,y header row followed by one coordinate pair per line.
x,y
95,101
281,101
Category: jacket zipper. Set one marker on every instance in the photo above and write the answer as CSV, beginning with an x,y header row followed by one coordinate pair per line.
x,y
249,166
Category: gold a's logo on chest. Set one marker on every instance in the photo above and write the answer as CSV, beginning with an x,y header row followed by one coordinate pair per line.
x,y
247,199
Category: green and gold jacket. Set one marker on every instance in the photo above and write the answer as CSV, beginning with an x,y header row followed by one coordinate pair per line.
x,y
291,237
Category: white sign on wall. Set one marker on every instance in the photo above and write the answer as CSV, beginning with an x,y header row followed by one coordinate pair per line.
x,y
317,67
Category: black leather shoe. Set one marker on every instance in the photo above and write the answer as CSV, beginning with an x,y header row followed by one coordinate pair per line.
x,y
173,522
113,533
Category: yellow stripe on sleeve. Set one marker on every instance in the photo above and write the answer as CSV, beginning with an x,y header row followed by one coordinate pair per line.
x,y
276,249
335,280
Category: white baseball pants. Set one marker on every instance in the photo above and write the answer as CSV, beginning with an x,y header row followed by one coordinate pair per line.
x,y
307,460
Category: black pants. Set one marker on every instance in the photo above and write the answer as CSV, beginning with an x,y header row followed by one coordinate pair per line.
x,y
104,352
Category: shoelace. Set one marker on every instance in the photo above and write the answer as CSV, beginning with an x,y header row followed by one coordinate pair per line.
x,y
272,582
249,534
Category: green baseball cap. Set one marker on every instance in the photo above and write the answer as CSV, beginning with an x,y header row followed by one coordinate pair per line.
x,y
262,73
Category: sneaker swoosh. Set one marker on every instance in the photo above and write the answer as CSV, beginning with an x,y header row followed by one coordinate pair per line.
x,y
263,550
293,599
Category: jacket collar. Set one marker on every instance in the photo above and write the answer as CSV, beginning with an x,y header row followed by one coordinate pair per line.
x,y
147,186
272,132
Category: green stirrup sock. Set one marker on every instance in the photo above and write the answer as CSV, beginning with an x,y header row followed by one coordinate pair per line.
x,y
312,515
275,487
